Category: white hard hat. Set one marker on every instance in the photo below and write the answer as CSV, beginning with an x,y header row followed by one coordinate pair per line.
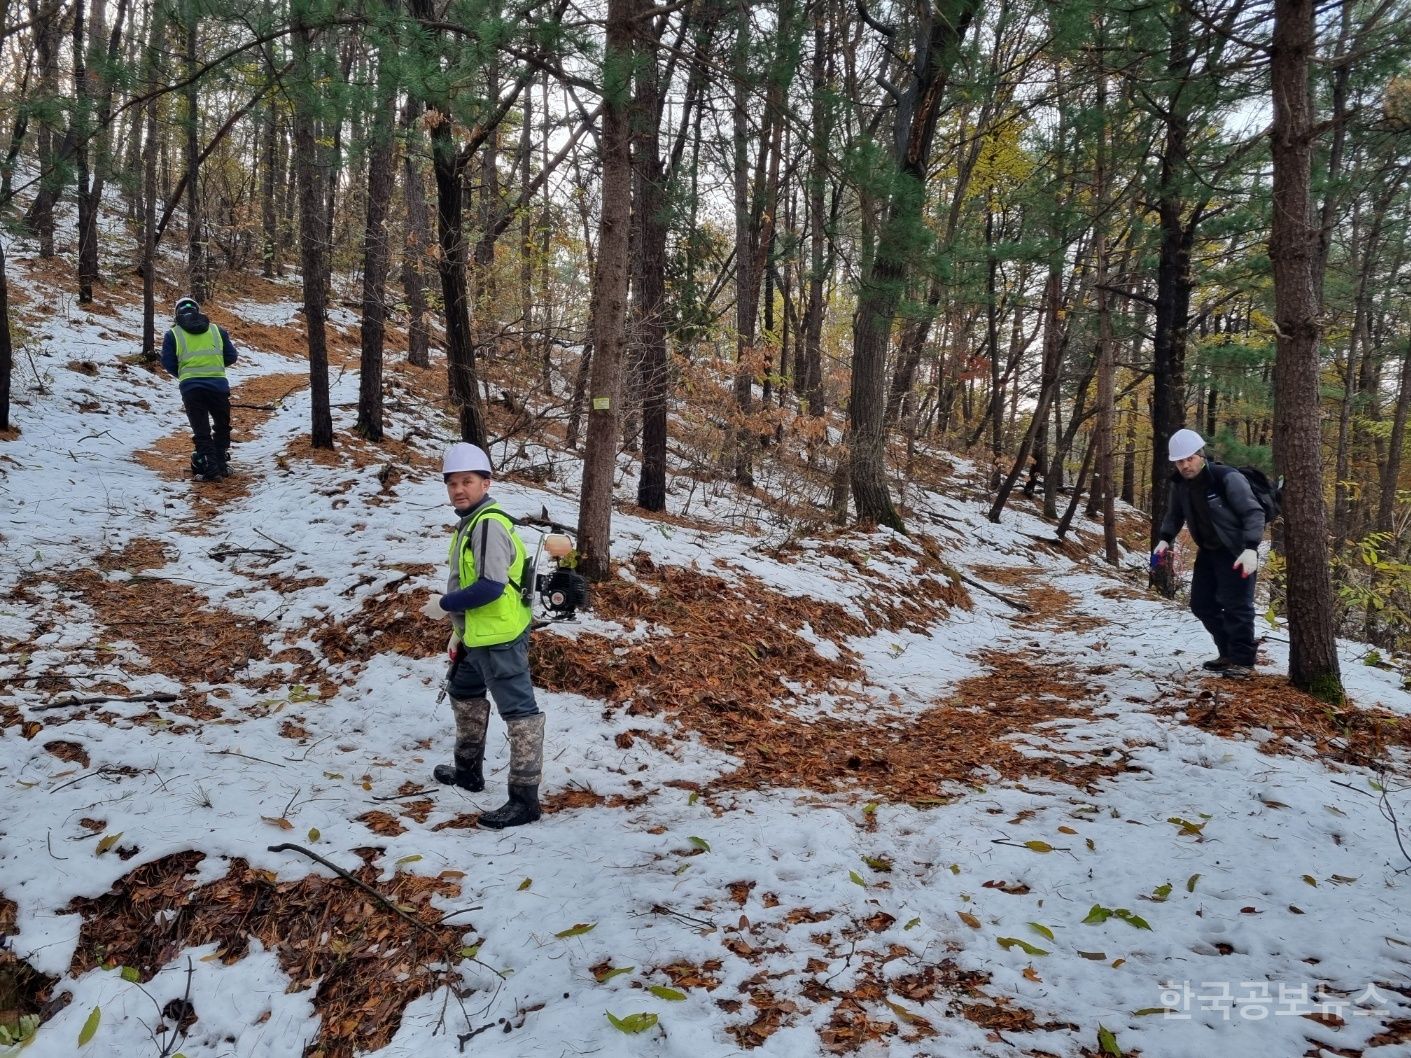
x,y
465,456
1185,443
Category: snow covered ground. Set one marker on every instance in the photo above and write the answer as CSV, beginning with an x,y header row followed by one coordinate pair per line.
x,y
1204,898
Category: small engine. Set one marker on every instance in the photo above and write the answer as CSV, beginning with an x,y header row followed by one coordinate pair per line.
x,y
562,592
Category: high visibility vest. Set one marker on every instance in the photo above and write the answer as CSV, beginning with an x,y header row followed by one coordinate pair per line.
x,y
506,618
199,355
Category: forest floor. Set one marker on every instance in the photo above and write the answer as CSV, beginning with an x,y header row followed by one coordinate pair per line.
x,y
807,790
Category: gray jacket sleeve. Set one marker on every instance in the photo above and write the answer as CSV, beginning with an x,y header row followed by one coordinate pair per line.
x,y
1241,499
493,549
1175,518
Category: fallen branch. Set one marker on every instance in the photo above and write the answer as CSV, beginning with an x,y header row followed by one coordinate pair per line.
x,y
1020,606
384,901
160,696
221,554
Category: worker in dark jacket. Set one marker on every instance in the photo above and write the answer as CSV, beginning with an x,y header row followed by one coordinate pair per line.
x,y
197,352
1227,523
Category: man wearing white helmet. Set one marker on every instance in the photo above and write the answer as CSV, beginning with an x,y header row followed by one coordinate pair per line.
x,y
490,642
1226,521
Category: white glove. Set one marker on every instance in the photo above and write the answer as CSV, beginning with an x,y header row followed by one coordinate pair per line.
x,y
1161,547
452,643
433,610
1248,562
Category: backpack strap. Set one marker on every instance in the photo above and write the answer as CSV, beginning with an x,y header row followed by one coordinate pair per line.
x,y
481,519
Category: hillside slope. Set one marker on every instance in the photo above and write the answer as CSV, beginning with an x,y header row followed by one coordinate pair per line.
x,y
805,794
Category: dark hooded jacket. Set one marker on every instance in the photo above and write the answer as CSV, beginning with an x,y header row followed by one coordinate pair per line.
x,y
193,321
1217,500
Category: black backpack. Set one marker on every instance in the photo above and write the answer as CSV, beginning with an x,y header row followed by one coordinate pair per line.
x,y
1270,495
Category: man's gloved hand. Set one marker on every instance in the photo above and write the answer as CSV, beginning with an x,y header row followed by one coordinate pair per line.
x,y
433,610
453,644
1158,557
1248,562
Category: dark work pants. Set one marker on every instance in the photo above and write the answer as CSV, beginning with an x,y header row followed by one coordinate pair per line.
x,y
208,411
1224,602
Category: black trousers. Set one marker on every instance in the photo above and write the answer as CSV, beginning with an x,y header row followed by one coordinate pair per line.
x,y
208,411
1224,602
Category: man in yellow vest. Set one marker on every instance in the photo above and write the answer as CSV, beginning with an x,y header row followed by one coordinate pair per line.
x,y
486,600
197,352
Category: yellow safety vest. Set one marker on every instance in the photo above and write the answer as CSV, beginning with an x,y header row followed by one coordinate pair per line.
x,y
199,355
504,619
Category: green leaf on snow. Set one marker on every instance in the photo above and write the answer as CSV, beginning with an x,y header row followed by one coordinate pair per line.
x,y
90,1026
1107,1042
1023,945
576,930
632,1023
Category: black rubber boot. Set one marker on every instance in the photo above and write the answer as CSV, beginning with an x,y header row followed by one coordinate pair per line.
x,y
521,808
526,763
468,770
472,716
1217,664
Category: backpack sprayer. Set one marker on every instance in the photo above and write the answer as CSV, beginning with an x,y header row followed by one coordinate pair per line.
x,y
562,591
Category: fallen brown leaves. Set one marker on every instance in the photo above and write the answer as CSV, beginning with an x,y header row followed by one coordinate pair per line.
x,y
733,648
366,962
1270,703
179,633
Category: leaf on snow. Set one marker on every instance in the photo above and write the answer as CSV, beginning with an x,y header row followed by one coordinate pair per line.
x,y
1023,945
632,1023
90,1026
607,973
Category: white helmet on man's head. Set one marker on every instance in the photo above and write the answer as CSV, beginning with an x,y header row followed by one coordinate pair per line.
x,y
1184,444
465,456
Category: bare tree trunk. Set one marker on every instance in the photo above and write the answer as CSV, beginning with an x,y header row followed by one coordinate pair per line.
x,y
895,258
650,266
1293,252
269,256
195,250
48,36
1391,469
155,32
418,242
609,309
311,233
7,353
377,249
87,224
1106,363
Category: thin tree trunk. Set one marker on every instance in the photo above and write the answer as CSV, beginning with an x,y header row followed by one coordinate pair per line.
x,y
895,258
1294,254
7,353
417,242
87,228
195,250
311,233
609,310
650,281
151,145
377,249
